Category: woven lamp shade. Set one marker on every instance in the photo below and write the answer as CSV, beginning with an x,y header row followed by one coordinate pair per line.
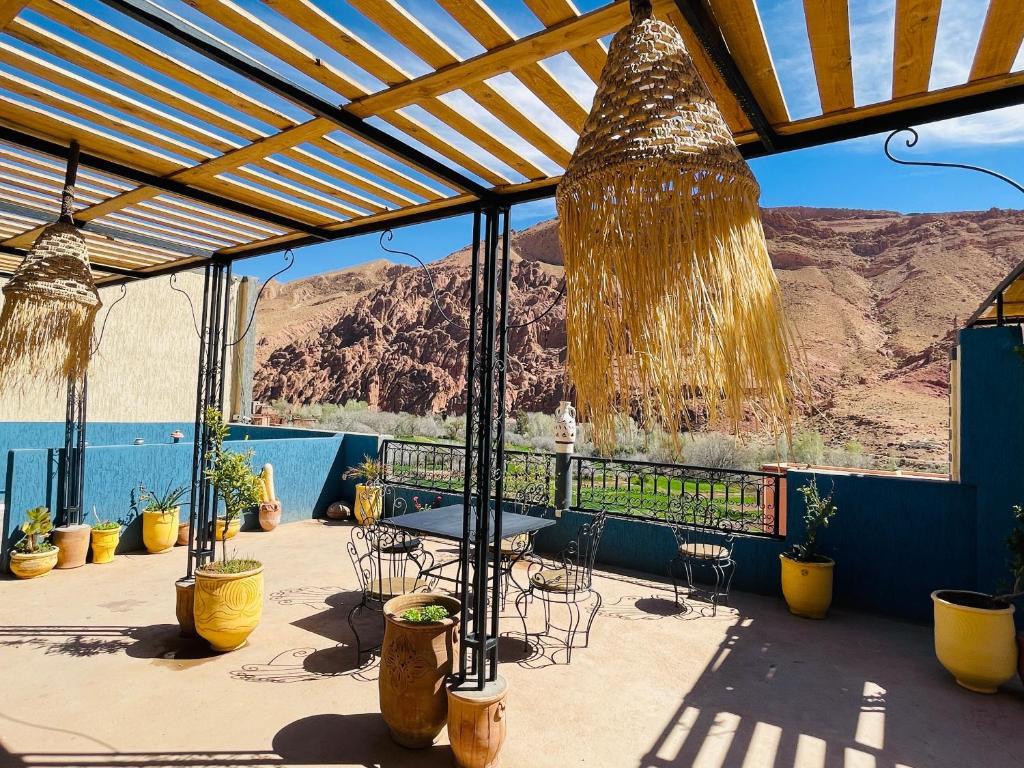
x,y
49,307
671,297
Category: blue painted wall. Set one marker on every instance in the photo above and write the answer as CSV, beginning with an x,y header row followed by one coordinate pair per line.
x,y
50,434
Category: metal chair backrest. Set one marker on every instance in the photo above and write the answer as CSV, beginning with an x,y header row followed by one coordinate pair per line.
x,y
698,520
580,554
380,552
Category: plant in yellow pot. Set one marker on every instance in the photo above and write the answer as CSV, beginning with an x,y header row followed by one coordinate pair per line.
x,y
105,536
160,518
974,632
229,592
806,573
369,501
34,555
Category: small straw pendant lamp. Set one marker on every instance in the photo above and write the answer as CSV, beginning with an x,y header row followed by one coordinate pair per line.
x,y
671,297
49,304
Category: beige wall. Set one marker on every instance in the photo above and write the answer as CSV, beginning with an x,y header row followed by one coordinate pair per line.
x,y
146,366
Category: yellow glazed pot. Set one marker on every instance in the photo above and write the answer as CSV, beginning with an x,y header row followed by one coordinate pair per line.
x,y
807,587
228,607
974,642
104,543
159,530
29,565
233,527
368,504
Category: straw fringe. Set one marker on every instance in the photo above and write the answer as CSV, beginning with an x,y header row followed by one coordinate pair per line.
x,y
58,333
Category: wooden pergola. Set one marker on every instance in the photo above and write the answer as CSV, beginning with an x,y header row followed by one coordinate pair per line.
x,y
194,149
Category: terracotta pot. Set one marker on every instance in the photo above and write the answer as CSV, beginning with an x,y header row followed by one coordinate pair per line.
x,y
159,530
104,544
182,535
184,607
270,515
30,565
227,607
476,724
338,511
73,545
415,661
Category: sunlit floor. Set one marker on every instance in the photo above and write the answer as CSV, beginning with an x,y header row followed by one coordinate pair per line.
x,y
93,674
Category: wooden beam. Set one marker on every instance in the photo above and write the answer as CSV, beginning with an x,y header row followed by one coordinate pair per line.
x,y
1000,41
590,56
740,24
828,29
8,10
917,24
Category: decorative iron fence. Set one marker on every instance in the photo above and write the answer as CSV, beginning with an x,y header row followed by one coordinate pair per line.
x,y
746,501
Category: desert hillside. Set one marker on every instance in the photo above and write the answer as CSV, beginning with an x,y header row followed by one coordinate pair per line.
x,y
874,297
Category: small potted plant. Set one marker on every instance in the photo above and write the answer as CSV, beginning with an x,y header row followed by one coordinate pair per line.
x,y
160,518
368,493
34,555
806,573
105,536
228,600
424,627
974,632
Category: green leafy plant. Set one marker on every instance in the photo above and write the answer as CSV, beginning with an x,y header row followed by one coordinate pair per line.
x,y
428,614
232,476
819,511
36,531
1015,542
369,470
103,525
233,565
167,501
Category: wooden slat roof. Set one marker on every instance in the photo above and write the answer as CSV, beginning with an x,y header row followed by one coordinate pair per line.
x,y
222,128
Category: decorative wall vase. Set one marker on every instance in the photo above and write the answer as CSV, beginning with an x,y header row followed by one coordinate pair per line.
x,y
476,724
228,607
974,640
104,544
73,545
160,530
30,565
368,504
270,515
565,427
415,661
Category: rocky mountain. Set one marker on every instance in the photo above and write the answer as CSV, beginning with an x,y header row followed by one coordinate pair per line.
x,y
874,297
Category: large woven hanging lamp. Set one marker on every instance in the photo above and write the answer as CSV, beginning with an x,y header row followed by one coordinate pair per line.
x,y
50,304
671,298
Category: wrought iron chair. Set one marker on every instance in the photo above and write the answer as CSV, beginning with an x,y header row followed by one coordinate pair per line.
x,y
704,539
386,567
529,496
569,580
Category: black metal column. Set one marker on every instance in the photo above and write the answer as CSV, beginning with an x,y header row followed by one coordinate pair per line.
x,y
485,432
72,458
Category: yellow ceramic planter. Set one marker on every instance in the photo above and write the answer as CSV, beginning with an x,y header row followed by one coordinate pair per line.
x,y
233,528
159,530
974,643
30,565
104,544
228,607
807,587
368,504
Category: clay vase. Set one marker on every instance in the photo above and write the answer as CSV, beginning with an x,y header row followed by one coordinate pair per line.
x,y
476,723
415,661
182,535
73,544
338,511
184,607
270,515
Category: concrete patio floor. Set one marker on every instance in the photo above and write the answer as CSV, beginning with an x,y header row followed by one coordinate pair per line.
x,y
93,674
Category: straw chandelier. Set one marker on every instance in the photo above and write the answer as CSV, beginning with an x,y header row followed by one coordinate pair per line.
x,y
671,297
50,304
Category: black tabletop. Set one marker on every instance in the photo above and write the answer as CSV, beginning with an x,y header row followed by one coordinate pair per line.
x,y
446,522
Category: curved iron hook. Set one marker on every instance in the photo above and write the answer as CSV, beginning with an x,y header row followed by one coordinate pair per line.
x,y
913,141
542,315
430,279
103,328
191,307
289,257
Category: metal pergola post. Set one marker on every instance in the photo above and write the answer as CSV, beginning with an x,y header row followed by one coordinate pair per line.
x,y
72,458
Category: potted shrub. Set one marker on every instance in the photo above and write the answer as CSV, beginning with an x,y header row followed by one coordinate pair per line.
x,y
368,493
34,555
806,573
420,640
160,518
974,632
229,593
105,536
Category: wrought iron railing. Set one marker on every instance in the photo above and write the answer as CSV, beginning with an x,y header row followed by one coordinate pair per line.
x,y
745,501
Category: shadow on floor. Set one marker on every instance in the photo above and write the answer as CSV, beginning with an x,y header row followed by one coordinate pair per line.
x,y
157,641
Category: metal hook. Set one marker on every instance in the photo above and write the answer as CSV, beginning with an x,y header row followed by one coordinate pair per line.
x,y
912,141
387,233
542,315
289,257
103,328
192,309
